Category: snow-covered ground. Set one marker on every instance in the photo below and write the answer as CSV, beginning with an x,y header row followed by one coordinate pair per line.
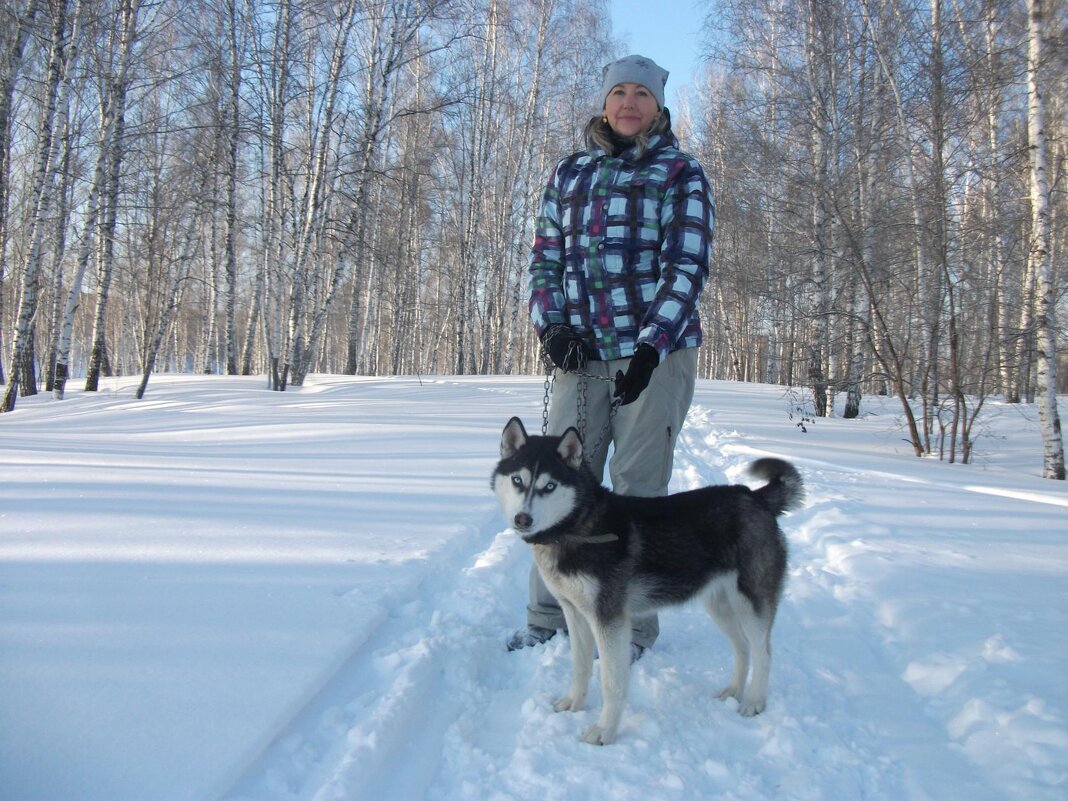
x,y
221,592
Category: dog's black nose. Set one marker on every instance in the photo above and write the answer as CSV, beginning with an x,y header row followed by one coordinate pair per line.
x,y
523,521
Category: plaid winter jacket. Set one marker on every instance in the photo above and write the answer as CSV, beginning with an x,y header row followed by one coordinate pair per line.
x,y
621,249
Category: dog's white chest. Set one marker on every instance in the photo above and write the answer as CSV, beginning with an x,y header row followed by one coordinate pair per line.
x,y
579,588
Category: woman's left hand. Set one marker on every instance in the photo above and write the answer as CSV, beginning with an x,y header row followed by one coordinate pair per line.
x,y
639,371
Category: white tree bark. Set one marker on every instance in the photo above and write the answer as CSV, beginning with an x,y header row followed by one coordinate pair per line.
x,y
819,86
10,68
42,194
1045,329
233,133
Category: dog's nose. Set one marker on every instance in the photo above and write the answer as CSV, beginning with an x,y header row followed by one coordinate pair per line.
x,y
523,521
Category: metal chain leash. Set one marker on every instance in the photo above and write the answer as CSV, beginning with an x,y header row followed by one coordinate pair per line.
x,y
550,380
581,402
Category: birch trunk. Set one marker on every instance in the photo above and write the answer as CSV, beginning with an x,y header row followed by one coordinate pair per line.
x,y
992,205
233,138
277,87
10,68
117,91
42,192
152,348
85,249
63,193
865,159
819,88
380,69
1045,328
940,246
207,359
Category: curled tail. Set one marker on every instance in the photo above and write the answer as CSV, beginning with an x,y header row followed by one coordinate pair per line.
x,y
784,489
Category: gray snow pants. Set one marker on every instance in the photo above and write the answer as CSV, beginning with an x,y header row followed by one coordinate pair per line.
x,y
644,435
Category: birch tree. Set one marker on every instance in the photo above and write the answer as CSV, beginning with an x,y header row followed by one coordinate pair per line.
x,y
233,142
117,88
316,193
42,194
819,52
273,68
1042,266
179,275
18,21
110,128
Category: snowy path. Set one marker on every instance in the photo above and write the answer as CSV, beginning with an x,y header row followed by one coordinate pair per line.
x,y
431,706
394,699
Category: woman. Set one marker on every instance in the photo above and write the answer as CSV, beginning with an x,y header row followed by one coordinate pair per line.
x,y
621,253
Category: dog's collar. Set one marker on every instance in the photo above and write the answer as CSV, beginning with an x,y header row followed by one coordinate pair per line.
x,y
589,539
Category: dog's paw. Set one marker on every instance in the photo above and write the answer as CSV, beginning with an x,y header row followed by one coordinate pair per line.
x,y
568,704
751,707
595,735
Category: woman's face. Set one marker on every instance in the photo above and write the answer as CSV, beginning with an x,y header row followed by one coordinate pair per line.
x,y
630,109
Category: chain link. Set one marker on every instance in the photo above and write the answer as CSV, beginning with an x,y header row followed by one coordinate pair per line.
x,y
616,403
581,405
550,379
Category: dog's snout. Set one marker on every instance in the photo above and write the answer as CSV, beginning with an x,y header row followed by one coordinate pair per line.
x,y
522,521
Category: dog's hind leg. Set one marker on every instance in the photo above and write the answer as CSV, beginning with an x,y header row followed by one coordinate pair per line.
x,y
723,613
757,630
613,644
581,659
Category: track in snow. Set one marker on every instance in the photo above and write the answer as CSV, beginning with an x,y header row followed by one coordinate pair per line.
x,y
431,706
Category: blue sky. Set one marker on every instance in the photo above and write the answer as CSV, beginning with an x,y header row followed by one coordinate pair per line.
x,y
667,31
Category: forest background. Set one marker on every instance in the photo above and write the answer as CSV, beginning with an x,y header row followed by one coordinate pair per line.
x,y
348,186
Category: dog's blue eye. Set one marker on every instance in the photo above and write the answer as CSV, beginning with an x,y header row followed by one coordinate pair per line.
x,y
550,486
517,481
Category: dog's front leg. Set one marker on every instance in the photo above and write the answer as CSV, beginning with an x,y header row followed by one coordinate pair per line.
x,y
613,643
581,659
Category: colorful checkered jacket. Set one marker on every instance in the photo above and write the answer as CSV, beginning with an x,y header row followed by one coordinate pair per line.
x,y
621,249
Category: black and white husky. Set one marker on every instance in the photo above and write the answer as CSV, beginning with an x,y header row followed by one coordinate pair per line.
x,y
607,557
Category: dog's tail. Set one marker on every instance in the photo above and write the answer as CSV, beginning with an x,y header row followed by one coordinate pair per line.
x,y
784,490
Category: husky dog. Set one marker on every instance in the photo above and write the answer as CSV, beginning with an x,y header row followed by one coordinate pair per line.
x,y
607,557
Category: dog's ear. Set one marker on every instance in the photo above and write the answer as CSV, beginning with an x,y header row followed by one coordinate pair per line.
x,y
513,438
570,449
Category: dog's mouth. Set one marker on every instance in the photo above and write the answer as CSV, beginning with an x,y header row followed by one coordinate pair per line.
x,y
523,525
525,533
535,537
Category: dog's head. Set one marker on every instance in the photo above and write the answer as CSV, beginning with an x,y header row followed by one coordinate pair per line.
x,y
537,480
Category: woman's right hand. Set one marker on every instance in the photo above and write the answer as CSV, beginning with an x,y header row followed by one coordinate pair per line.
x,y
565,347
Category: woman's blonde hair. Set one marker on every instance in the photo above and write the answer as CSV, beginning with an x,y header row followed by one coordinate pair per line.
x,y
599,134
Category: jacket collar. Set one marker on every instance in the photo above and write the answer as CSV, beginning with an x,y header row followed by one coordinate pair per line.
x,y
658,142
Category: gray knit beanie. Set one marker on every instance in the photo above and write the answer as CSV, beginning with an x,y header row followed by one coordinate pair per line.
x,y
634,69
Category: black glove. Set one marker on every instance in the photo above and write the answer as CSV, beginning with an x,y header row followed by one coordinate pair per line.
x,y
642,364
565,347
